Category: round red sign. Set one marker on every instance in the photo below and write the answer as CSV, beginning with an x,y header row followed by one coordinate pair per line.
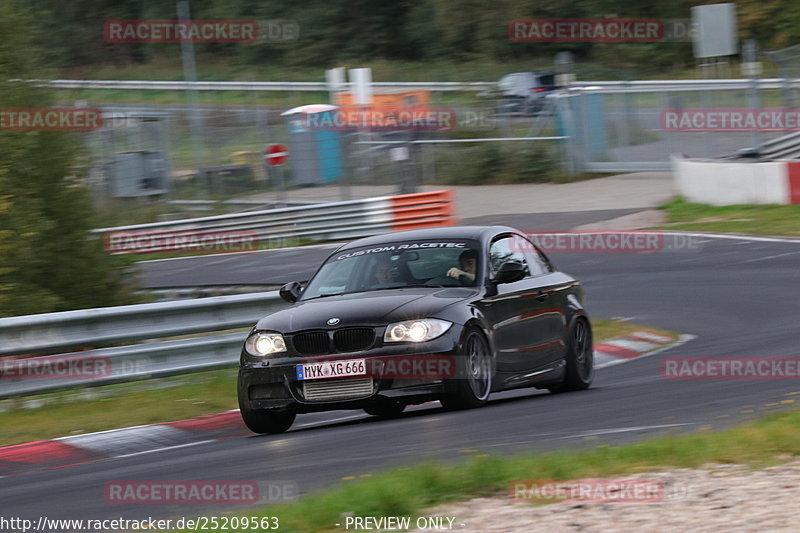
x,y
276,154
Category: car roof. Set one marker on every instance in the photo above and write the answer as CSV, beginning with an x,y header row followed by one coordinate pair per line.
x,y
479,233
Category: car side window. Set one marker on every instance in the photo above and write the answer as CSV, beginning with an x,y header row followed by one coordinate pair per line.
x,y
536,262
507,249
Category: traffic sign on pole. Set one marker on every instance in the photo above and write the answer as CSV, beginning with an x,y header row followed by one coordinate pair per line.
x,y
275,155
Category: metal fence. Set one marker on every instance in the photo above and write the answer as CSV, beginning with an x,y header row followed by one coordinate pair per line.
x,y
590,127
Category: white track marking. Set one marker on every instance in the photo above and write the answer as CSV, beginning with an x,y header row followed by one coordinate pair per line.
x,y
611,431
163,449
631,344
682,340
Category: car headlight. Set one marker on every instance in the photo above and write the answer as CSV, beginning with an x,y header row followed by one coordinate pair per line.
x,y
416,330
261,344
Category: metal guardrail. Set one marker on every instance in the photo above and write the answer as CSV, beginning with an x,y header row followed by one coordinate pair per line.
x,y
256,85
208,205
682,85
70,330
784,147
605,86
329,221
46,333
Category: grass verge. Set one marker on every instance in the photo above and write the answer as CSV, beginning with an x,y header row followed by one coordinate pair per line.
x,y
65,413
409,491
755,219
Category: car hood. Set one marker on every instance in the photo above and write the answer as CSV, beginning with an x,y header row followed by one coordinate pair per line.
x,y
372,308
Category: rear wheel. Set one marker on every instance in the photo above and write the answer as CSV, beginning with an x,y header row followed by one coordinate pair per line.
x,y
580,359
473,383
267,421
385,409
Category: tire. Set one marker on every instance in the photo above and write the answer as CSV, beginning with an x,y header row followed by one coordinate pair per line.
x,y
385,409
473,383
267,421
579,372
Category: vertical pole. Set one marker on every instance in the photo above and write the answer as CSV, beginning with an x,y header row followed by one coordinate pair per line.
x,y
281,183
749,61
361,97
195,118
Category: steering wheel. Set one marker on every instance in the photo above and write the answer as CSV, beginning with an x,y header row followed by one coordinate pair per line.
x,y
443,281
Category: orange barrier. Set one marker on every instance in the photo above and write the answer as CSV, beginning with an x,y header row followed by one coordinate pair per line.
x,y
423,210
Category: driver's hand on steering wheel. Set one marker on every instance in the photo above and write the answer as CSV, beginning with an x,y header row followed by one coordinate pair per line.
x,y
457,273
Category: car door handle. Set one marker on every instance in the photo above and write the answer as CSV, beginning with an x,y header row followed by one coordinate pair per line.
x,y
542,296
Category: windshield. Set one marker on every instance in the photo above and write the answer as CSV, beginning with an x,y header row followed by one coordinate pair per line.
x,y
397,265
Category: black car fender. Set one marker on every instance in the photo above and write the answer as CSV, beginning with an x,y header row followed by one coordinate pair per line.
x,y
469,317
575,311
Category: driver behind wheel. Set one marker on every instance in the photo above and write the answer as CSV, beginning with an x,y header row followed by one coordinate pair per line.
x,y
468,262
383,272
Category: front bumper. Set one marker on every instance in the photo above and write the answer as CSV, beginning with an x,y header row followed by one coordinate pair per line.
x,y
272,384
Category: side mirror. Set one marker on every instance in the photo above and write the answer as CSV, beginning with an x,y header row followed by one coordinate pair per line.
x,y
509,272
291,291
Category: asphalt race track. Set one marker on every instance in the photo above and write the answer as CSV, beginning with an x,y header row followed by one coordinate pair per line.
x,y
738,297
276,267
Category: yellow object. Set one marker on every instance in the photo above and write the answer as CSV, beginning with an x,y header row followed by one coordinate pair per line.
x,y
243,157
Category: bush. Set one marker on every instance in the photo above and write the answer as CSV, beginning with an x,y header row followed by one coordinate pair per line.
x,y
497,163
47,260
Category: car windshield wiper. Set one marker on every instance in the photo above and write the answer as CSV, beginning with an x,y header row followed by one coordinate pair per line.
x,y
324,295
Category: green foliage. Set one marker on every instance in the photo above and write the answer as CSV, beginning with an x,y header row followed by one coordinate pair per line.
x,y
491,163
46,261
352,32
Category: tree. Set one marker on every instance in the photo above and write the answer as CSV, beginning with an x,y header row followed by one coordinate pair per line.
x,y
47,261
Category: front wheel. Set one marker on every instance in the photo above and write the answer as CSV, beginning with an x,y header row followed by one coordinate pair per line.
x,y
579,372
267,421
473,382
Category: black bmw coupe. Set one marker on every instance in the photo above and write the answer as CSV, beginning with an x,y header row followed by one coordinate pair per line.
x,y
449,314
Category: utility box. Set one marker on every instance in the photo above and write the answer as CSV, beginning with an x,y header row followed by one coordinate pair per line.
x,y
137,174
315,151
132,155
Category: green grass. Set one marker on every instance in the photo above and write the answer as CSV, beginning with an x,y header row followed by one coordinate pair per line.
x,y
755,219
410,491
117,406
481,69
153,401
605,329
169,67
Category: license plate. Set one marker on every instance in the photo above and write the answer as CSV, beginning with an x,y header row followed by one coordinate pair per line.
x,y
332,369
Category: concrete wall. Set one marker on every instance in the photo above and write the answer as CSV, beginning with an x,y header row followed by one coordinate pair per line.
x,y
718,182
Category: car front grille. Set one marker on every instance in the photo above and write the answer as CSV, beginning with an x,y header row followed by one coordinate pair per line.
x,y
344,340
353,339
337,389
312,343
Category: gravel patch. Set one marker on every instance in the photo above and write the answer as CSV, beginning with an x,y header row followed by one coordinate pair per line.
x,y
717,498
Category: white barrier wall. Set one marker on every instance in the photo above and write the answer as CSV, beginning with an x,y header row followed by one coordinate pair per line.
x,y
734,182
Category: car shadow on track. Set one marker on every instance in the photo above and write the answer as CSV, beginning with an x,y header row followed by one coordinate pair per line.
x,y
357,418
